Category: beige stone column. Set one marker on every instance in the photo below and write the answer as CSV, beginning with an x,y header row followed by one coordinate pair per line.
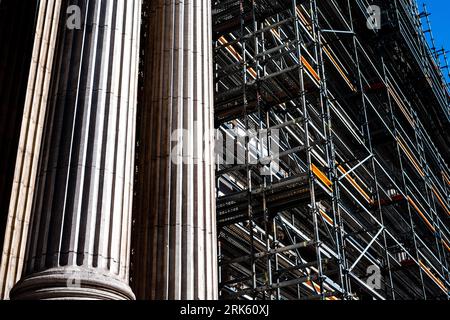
x,y
29,145
174,241
79,240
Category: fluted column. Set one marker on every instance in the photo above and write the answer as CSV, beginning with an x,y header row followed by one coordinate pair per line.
x,y
174,241
79,240
29,145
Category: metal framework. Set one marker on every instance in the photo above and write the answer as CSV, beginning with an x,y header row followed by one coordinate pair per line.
x,y
361,183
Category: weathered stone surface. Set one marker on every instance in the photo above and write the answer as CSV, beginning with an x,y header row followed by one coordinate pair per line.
x,y
81,215
175,230
29,145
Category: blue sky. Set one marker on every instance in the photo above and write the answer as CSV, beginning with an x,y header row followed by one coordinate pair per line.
x,y
440,21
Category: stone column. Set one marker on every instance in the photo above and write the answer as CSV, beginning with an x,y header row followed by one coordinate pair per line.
x,y
79,241
174,241
29,145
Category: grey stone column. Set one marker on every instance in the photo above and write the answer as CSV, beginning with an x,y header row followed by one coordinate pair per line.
x,y
174,241
34,111
79,241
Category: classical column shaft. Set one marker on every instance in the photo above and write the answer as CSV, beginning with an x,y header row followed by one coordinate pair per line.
x,y
175,231
79,240
29,145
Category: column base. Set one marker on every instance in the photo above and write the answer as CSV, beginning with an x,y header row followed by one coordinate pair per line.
x,y
71,284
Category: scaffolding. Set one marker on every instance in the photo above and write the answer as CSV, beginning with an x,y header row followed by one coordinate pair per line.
x,y
356,203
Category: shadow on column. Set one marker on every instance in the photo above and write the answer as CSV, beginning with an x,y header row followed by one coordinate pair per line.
x,y
17,22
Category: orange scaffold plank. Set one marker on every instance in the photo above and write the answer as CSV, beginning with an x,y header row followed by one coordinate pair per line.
x,y
308,27
356,185
223,41
303,19
315,287
326,217
302,59
339,69
321,176
438,197
425,219
310,68
432,276
401,106
446,178
410,156
422,215
446,245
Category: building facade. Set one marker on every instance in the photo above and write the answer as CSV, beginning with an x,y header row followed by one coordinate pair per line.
x,y
111,185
